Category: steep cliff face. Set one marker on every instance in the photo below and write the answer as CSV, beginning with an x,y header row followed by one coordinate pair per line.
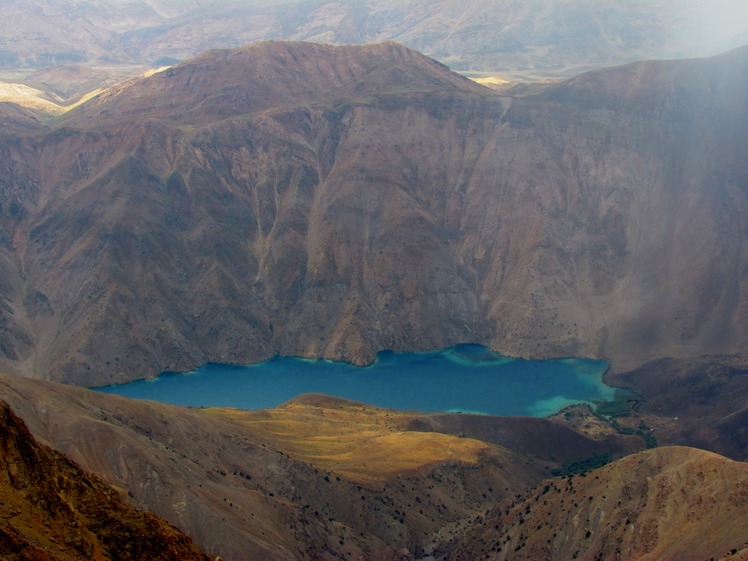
x,y
51,510
319,201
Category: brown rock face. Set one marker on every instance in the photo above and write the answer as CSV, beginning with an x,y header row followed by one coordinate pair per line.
x,y
51,510
319,201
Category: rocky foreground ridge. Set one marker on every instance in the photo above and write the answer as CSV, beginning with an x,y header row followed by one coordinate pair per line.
x,y
666,504
307,200
318,478
51,510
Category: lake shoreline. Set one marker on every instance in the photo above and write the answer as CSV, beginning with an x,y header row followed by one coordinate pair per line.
x,y
465,377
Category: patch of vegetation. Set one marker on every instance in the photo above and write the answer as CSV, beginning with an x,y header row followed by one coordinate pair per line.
x,y
583,466
616,408
646,433
619,406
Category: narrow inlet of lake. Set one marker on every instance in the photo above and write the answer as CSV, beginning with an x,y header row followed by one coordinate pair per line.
x,y
464,378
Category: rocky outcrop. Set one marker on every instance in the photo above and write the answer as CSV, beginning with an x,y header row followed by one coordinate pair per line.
x,y
53,510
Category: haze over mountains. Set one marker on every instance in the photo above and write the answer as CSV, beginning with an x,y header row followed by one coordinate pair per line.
x,y
95,43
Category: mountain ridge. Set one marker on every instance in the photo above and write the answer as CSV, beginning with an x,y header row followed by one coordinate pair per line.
x,y
282,74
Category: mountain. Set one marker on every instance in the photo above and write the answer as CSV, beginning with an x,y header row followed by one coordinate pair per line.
x,y
307,200
248,81
666,504
51,510
530,38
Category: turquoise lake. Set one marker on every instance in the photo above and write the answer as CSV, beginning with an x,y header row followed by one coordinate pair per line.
x,y
465,378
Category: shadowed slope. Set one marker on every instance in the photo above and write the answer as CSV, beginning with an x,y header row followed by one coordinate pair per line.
x,y
541,439
698,403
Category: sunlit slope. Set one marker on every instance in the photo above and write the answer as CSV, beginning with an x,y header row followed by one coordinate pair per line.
x,y
359,441
668,504
28,97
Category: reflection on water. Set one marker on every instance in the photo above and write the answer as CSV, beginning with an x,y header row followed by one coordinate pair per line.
x,y
466,378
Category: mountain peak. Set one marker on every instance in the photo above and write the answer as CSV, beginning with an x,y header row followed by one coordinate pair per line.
x,y
249,80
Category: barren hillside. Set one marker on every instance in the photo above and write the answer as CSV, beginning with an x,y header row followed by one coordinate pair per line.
x,y
665,504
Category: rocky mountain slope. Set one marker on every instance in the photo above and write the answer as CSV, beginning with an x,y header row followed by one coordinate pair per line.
x,y
51,510
666,504
319,201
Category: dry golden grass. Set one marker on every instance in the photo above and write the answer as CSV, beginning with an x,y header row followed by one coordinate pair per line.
x,y
29,97
34,99
491,81
358,441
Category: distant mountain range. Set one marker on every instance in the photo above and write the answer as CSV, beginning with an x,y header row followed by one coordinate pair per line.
x,y
532,37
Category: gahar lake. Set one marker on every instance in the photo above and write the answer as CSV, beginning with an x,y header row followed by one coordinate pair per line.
x,y
465,378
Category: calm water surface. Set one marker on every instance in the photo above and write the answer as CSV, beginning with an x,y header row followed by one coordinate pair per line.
x,y
465,378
